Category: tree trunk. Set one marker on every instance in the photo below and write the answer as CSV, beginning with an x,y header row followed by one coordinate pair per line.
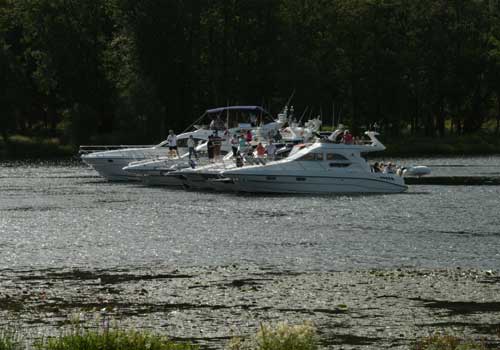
x,y
5,136
440,119
429,124
497,129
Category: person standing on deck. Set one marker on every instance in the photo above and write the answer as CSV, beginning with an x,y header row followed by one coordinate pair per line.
x,y
271,150
234,144
243,144
191,143
217,145
172,144
249,136
347,138
210,149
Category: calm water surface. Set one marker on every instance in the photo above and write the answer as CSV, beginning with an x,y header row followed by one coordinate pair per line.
x,y
64,215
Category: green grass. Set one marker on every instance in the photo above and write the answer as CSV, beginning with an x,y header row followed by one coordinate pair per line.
x,y
447,342
9,340
280,337
484,144
110,339
24,147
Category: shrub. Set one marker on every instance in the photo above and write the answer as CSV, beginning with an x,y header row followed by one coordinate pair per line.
x,y
447,342
9,340
281,337
79,339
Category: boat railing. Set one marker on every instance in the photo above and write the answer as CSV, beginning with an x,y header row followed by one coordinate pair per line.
x,y
361,142
85,149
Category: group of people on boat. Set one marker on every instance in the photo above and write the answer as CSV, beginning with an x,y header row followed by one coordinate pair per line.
x,y
387,168
242,148
345,137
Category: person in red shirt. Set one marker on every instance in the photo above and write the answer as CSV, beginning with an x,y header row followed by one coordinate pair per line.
x,y
261,150
347,138
249,136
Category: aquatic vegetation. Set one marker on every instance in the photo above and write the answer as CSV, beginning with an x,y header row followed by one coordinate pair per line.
x,y
281,337
447,342
110,339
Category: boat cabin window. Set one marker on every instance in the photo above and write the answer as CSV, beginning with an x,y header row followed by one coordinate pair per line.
x,y
311,156
335,156
339,165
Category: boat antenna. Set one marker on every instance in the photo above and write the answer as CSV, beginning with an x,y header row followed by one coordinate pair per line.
x,y
290,98
333,114
227,115
303,113
310,113
196,121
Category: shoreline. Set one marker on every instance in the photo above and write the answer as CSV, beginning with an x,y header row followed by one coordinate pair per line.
x,y
372,309
477,145
74,158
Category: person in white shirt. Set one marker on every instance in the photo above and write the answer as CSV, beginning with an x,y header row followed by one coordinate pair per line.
x,y
388,169
172,144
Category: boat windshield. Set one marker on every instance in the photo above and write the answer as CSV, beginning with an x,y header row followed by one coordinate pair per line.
x,y
313,156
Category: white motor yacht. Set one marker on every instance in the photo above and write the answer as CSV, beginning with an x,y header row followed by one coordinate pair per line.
x,y
321,167
152,171
110,164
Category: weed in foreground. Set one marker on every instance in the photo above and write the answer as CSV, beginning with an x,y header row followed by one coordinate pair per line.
x,y
110,339
281,337
447,342
9,340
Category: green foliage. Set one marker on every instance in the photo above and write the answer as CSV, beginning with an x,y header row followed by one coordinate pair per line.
x,y
9,340
20,146
110,339
447,342
82,69
281,337
477,144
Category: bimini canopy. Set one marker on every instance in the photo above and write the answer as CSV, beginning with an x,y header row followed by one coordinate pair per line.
x,y
232,116
238,108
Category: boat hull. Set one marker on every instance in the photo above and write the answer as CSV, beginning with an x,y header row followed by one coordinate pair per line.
x,y
161,180
316,184
223,185
112,168
200,181
110,164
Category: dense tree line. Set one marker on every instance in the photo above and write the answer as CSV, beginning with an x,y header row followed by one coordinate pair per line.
x,y
133,69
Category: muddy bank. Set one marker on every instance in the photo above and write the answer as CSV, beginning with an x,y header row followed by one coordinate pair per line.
x,y
379,309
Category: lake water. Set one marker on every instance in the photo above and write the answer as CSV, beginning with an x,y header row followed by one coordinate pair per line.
x,y
64,215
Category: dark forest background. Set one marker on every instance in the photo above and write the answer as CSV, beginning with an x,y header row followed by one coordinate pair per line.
x,y
90,71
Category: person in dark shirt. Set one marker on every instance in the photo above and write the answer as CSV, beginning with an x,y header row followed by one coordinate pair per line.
x,y
210,149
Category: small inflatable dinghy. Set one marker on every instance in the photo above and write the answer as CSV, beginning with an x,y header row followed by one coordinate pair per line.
x,y
419,170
